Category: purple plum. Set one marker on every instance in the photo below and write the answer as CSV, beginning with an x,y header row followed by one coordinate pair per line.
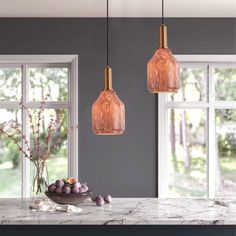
x,y
77,185
99,201
59,183
66,189
75,190
95,198
108,199
83,189
52,188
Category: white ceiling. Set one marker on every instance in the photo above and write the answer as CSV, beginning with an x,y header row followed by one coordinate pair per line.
x,y
118,8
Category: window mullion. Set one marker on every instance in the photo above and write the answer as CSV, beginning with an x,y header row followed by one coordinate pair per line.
x,y
73,120
224,105
49,105
10,105
184,105
211,165
25,167
163,157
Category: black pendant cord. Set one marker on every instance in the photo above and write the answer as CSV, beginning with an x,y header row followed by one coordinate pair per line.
x,y
162,12
107,34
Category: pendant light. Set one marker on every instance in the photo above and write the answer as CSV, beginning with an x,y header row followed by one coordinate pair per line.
x,y
108,111
163,69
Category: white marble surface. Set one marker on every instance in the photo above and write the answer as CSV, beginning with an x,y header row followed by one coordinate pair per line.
x,y
126,211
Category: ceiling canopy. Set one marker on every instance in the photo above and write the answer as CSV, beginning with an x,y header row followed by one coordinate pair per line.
x,y
118,8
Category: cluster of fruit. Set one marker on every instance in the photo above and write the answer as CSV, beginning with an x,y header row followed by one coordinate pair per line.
x,y
70,185
102,200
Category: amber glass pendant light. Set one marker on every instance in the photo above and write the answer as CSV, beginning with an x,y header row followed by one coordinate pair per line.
x,y
108,111
163,69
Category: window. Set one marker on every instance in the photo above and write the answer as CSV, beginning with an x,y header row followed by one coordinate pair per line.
x,y
27,79
197,130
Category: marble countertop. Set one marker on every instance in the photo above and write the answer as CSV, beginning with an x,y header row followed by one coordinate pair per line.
x,y
130,211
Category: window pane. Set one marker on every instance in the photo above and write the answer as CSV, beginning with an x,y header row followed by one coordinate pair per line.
x,y
225,84
225,152
58,161
10,84
10,174
193,85
52,81
187,153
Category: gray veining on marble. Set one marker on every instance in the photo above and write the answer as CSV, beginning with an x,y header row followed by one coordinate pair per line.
x,y
131,211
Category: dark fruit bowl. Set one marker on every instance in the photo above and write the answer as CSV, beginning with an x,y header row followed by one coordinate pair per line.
x,y
71,198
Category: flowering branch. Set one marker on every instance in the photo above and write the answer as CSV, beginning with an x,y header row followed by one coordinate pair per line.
x,y
34,154
37,154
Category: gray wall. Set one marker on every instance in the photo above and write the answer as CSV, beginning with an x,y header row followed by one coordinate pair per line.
x,y
124,166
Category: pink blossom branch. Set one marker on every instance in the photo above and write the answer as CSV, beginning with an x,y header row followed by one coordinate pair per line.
x,y
34,154
54,147
18,130
50,130
31,123
15,141
39,116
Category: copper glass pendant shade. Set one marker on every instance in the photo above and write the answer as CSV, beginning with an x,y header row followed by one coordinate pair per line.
x,y
108,111
163,69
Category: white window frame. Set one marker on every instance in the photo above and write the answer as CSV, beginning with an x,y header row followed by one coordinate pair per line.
x,y
202,61
72,105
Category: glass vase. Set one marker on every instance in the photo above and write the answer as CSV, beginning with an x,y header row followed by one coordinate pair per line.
x,y
40,180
